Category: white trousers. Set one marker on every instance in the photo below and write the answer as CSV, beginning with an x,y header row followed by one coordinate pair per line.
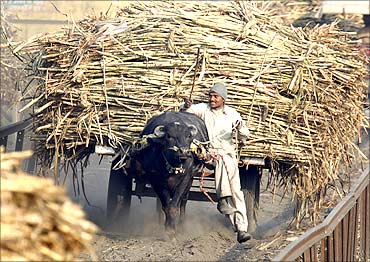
x,y
228,184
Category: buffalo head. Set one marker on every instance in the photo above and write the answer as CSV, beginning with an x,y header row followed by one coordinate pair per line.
x,y
175,140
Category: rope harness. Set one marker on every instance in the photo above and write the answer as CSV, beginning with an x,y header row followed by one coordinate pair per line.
x,y
201,187
214,157
204,154
173,170
199,149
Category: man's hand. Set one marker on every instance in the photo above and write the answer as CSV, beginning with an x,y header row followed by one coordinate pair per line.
x,y
238,124
243,141
243,133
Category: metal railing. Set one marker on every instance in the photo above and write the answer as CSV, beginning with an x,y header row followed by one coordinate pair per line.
x,y
344,235
18,128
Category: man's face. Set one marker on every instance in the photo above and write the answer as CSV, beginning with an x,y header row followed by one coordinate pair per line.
x,y
215,101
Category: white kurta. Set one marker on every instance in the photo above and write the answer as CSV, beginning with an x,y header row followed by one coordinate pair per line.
x,y
220,124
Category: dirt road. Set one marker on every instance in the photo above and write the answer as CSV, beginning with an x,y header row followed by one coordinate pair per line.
x,y
206,236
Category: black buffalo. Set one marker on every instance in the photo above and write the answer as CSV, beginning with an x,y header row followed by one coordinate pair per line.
x,y
167,162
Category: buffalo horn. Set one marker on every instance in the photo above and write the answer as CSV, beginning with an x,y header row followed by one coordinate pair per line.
x,y
159,131
193,130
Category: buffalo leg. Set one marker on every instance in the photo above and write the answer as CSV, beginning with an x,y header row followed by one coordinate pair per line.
x,y
169,211
172,213
184,200
181,196
174,206
182,208
250,182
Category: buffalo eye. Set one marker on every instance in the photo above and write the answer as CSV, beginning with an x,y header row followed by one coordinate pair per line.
x,y
168,137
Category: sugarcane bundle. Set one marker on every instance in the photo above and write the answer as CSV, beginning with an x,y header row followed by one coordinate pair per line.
x,y
301,91
38,221
11,68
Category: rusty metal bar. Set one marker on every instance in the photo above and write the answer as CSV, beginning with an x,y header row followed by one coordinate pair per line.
x,y
357,228
4,141
367,223
324,249
350,233
31,164
19,140
19,129
307,256
354,224
338,254
362,202
15,127
313,250
316,234
345,228
331,247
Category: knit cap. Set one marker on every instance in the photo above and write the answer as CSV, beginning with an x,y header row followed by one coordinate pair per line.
x,y
220,89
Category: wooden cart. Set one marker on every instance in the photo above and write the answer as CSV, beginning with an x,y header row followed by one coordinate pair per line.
x,y
122,187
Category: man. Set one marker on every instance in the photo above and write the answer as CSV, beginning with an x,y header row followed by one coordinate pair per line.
x,y
221,120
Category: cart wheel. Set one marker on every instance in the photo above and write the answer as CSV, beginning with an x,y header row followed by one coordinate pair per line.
x,y
119,198
250,183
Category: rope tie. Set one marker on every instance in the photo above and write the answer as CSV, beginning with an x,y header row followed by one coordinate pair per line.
x,y
215,156
202,189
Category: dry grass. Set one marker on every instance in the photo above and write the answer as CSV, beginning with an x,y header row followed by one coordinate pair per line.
x,y
301,91
38,221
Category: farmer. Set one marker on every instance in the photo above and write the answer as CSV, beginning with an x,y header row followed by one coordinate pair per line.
x,y
221,120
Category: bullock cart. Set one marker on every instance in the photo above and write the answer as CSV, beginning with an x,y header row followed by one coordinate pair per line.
x,y
300,90
124,185
172,149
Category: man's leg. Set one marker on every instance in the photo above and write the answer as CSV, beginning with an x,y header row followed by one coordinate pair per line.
x,y
222,181
240,216
223,190
228,184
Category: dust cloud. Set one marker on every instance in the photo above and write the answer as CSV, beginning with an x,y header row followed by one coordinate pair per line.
x,y
144,219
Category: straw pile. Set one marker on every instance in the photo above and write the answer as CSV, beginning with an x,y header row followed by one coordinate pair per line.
x,y
301,91
38,221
